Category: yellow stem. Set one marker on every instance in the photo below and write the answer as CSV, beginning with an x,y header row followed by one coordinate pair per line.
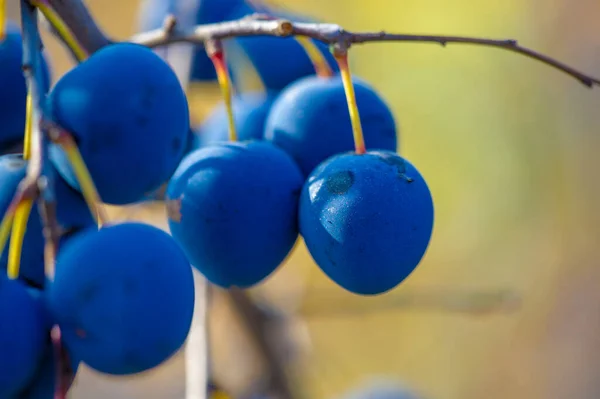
x,y
62,29
19,228
5,227
28,126
85,181
359,140
2,19
315,55
246,74
218,60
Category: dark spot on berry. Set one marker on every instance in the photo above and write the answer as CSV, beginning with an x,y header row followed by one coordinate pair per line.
x,y
176,144
88,293
398,162
340,182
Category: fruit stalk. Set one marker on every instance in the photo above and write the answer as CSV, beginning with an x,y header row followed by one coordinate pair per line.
x,y
88,189
341,56
2,19
19,228
317,58
215,52
72,18
61,29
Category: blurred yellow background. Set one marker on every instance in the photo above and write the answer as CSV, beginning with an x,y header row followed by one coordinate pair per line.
x,y
510,151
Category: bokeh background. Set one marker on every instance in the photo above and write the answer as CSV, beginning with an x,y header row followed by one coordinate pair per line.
x,y
510,150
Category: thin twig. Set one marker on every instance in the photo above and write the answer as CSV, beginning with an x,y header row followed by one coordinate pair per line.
x,y
332,34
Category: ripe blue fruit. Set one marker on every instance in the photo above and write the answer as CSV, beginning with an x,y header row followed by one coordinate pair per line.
x,y
250,112
233,208
311,122
13,92
71,211
366,220
278,61
123,297
22,336
129,115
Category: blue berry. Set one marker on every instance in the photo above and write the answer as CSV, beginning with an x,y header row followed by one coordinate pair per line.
x,y
13,89
129,115
311,122
233,209
123,297
22,336
250,113
72,214
366,220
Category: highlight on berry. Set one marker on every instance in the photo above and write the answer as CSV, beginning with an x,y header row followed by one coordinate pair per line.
x,y
311,158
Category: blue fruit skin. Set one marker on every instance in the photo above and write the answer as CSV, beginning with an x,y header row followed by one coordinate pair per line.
x,y
22,336
233,209
311,122
250,111
364,224
279,61
123,297
126,108
13,89
72,214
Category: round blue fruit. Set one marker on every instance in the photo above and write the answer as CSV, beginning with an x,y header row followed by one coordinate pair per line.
x,y
366,220
278,61
311,122
129,115
13,92
22,336
72,214
250,113
123,297
233,208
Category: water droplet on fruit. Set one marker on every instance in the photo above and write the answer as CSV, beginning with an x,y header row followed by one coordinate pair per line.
x,y
340,182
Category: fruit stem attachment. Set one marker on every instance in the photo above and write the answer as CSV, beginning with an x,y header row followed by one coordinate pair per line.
x,y
315,55
215,52
82,174
341,56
